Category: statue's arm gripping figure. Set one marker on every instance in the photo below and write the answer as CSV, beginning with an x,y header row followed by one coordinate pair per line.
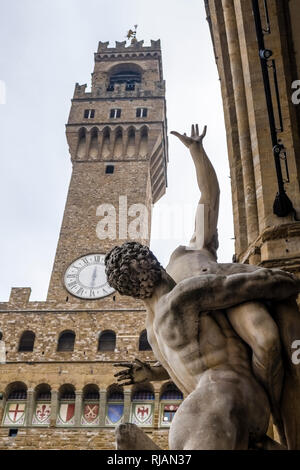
x,y
215,292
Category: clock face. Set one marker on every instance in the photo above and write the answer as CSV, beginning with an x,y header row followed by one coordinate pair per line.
x,y
86,278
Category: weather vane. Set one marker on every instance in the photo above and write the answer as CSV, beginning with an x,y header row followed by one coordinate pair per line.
x,y
132,34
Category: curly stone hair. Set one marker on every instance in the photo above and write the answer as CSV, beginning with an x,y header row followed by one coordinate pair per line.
x,y
138,281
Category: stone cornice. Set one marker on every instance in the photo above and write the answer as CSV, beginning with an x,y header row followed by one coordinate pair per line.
x,y
276,232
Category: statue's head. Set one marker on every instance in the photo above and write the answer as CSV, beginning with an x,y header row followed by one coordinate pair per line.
x,y
132,269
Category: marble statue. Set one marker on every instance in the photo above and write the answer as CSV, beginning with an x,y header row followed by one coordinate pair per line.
x,y
222,332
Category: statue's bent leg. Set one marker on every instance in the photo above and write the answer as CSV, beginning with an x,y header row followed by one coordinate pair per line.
x,y
287,317
220,414
254,324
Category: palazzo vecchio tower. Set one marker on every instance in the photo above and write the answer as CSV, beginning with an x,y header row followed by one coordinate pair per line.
x,y
57,385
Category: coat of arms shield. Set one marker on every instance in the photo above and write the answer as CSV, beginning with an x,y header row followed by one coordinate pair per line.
x,y
142,412
90,412
42,412
114,412
66,412
16,412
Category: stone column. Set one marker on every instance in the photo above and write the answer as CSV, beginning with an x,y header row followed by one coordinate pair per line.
x,y
216,19
156,410
2,407
127,405
102,407
30,407
2,351
78,407
242,119
54,407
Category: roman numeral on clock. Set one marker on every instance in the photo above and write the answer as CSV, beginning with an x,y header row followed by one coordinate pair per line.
x,y
72,284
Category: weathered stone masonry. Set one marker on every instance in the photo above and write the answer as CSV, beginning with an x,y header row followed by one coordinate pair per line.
x,y
105,128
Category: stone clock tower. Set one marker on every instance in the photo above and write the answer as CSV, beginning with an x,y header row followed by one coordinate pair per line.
x,y
57,384
118,145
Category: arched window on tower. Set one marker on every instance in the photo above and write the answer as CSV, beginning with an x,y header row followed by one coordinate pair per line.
x,y
130,74
107,341
81,148
142,405
106,143
90,408
144,141
130,150
93,150
118,144
26,341
115,406
66,341
42,413
143,342
66,413
15,410
170,399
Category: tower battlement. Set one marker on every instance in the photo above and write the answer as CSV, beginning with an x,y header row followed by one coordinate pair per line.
x,y
134,45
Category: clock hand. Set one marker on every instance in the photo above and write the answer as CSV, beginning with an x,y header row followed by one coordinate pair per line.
x,y
94,275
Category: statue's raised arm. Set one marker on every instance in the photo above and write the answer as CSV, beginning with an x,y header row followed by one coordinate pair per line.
x,y
205,235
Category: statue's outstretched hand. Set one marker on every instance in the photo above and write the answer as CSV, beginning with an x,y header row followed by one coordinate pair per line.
x,y
195,137
136,372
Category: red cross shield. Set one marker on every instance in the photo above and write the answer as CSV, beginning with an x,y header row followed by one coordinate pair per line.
x,y
16,411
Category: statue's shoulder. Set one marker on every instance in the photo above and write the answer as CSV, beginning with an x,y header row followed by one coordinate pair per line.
x,y
180,250
234,268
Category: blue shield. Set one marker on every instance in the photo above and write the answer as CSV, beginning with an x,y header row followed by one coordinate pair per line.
x,y
115,412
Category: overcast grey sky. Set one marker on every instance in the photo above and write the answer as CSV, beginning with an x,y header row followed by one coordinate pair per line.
x,y
45,47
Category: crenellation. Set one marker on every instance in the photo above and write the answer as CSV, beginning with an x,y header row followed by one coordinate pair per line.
x,y
79,90
102,46
120,46
19,296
